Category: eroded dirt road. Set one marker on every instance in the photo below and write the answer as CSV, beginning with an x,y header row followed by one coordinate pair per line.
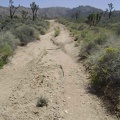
x,y
48,68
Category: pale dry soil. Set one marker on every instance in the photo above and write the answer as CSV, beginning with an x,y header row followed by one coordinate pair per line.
x,y
48,68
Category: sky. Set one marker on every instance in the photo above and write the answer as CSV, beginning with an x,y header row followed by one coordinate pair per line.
x,y
103,4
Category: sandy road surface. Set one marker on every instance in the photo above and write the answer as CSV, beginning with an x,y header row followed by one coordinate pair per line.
x,y
48,68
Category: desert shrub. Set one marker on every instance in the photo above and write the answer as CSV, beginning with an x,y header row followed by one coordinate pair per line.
x,y
118,30
108,68
43,24
8,24
40,29
62,21
95,29
81,27
91,42
105,76
84,33
20,32
100,38
42,101
40,25
1,63
57,32
5,51
87,48
26,34
8,42
73,26
9,39
77,37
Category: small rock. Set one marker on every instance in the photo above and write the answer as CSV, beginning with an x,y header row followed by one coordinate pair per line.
x,y
68,97
81,95
83,103
66,111
35,112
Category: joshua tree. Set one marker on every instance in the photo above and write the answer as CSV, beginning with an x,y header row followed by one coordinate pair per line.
x,y
72,15
93,19
12,8
24,14
77,14
111,7
34,9
106,11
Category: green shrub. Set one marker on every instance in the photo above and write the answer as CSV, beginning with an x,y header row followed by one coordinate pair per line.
x,y
84,33
9,39
87,48
77,37
42,102
8,42
20,32
105,76
26,34
57,32
11,25
100,38
5,51
81,27
95,29
118,30
91,42
108,64
1,63
42,31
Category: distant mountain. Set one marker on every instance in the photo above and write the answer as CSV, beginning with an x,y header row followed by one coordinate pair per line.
x,y
84,10
53,12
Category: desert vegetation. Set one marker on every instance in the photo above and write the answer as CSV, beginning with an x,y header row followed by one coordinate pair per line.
x,y
16,30
42,101
99,41
57,32
96,33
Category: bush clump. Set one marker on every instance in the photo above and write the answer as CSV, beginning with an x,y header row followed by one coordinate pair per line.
x,y
5,51
9,39
8,42
105,77
42,101
26,34
91,42
18,32
57,32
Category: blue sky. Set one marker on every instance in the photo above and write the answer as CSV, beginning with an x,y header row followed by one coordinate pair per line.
x,y
103,4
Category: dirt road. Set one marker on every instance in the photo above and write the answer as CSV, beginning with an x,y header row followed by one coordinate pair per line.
x,y
48,68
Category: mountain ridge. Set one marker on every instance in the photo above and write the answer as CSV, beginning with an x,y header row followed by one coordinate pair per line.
x,y
53,12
